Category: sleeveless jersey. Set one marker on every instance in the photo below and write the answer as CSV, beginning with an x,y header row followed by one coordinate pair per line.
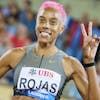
x,y
39,76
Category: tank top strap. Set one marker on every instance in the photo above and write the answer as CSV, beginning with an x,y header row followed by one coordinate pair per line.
x,y
29,48
61,54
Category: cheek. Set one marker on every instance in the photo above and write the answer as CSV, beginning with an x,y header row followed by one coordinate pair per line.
x,y
56,31
55,35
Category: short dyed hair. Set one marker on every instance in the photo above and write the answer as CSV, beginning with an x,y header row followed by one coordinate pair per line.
x,y
57,6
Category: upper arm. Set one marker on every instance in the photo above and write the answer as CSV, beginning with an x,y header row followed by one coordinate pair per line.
x,y
78,74
10,59
5,63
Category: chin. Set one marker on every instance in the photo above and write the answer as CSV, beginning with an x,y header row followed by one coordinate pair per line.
x,y
45,41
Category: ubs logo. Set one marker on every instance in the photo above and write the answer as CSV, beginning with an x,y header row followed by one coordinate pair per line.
x,y
40,72
32,72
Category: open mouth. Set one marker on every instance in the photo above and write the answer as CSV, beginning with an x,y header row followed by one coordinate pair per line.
x,y
45,34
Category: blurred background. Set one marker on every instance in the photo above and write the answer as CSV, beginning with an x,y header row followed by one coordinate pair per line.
x,y
17,29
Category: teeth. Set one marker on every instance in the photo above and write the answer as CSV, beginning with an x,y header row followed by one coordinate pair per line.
x,y
45,34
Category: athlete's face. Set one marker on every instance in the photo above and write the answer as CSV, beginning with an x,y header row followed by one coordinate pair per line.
x,y
49,25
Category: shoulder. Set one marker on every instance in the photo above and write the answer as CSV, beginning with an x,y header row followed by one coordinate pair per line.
x,y
15,51
12,56
71,65
18,51
75,63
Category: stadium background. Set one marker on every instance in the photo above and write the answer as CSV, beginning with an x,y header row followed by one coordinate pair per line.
x,y
79,10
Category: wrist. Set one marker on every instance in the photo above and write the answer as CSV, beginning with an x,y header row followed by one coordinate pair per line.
x,y
89,65
87,61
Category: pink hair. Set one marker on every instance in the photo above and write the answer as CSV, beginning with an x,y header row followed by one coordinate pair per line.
x,y
55,5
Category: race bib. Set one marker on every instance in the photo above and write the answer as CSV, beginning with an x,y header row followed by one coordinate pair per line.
x,y
39,82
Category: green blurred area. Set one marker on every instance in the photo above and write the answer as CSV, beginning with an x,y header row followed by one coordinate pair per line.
x,y
78,7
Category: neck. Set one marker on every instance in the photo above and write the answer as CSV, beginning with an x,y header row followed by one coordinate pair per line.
x,y
45,49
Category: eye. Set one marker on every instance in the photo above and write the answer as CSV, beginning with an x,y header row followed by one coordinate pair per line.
x,y
53,22
42,20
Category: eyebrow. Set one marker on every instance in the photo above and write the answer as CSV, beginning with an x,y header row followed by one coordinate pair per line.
x,y
42,17
53,19
50,18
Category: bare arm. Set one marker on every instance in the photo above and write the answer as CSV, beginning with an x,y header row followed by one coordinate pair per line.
x,y
90,45
94,89
10,59
78,74
4,63
88,86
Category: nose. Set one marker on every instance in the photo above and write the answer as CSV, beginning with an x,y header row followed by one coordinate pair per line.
x,y
46,25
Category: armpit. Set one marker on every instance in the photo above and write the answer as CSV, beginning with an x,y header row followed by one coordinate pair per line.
x,y
68,67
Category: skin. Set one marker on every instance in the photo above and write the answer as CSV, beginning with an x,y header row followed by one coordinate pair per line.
x,y
50,21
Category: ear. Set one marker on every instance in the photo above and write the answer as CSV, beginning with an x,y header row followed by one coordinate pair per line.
x,y
61,29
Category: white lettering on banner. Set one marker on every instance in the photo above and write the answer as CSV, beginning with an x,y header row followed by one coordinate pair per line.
x,y
43,80
37,94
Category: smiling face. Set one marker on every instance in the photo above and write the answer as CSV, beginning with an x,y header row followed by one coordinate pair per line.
x,y
49,25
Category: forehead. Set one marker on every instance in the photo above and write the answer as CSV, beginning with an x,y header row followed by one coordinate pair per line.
x,y
49,13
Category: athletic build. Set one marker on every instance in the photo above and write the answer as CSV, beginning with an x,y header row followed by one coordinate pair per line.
x,y
29,62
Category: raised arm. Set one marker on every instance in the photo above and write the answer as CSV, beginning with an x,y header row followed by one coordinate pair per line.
x,y
10,59
86,84
90,44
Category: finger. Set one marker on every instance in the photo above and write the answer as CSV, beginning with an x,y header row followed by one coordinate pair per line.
x,y
97,39
93,43
94,36
83,30
90,29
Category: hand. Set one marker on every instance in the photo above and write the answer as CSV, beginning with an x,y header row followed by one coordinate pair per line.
x,y
90,44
